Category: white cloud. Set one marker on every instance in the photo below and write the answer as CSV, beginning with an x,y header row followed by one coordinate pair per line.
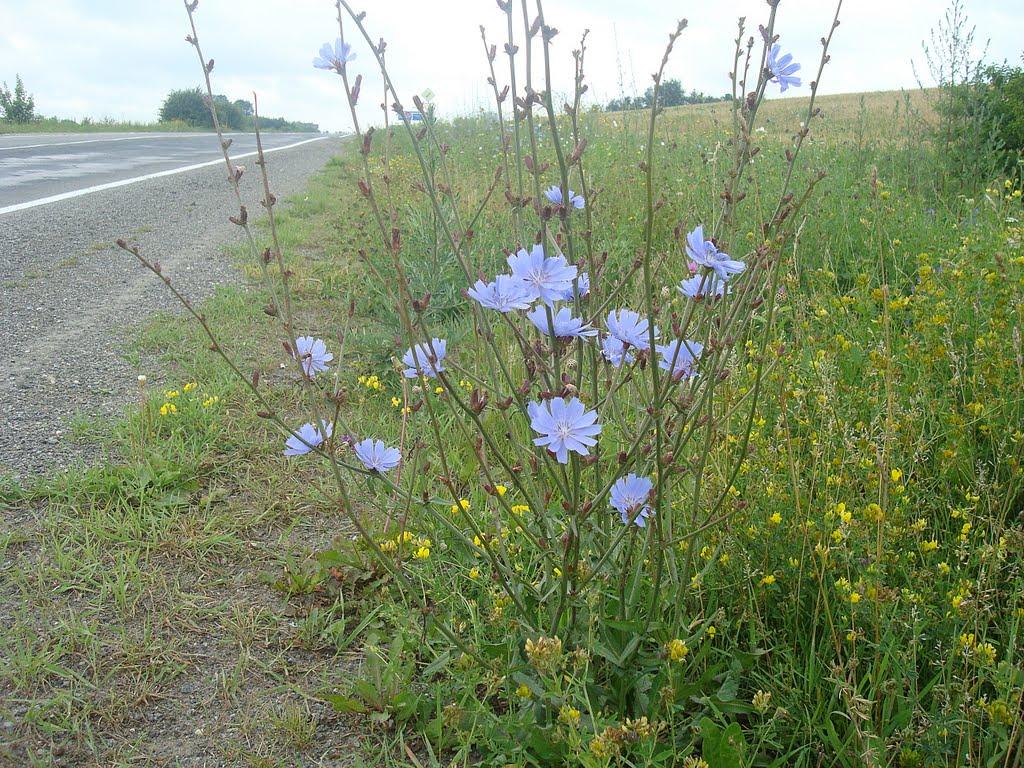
x,y
118,58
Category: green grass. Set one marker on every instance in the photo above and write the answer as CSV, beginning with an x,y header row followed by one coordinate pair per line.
x,y
87,125
103,125
211,584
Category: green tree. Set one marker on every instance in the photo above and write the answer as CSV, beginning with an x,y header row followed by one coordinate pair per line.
x,y
1003,88
229,114
188,106
19,106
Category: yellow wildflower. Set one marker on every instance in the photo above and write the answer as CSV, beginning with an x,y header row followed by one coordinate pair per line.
x,y
676,649
569,715
874,513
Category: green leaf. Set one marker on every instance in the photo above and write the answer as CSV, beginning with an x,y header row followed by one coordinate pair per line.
x,y
722,748
345,704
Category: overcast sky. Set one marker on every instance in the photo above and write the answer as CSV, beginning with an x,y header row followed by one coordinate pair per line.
x,y
118,58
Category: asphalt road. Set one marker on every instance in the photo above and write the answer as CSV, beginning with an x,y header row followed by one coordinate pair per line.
x,y
70,301
36,167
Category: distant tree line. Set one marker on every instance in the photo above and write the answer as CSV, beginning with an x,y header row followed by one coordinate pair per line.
x,y
670,95
189,106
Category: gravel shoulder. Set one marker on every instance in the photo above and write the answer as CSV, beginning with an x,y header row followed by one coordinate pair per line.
x,y
69,299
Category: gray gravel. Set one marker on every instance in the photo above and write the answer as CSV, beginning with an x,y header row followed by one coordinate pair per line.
x,y
69,302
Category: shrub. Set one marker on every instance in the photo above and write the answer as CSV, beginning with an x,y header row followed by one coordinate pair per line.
x,y
1003,88
18,106
980,130
190,106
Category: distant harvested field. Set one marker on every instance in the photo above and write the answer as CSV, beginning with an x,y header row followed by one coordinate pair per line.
x,y
870,116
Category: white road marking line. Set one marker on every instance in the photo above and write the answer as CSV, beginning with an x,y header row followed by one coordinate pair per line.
x,y
116,138
157,175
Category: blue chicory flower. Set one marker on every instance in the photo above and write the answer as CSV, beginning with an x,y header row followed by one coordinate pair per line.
x,y
582,288
555,197
564,426
701,286
628,327
306,439
506,294
335,57
615,352
705,254
680,357
548,279
783,69
313,355
376,456
424,360
629,497
566,326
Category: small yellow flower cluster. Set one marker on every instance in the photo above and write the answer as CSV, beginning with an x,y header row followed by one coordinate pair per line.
x,y
874,513
371,382
998,710
568,715
500,602
609,742
676,649
544,653
845,515
762,701
983,654
960,594
407,542
169,408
